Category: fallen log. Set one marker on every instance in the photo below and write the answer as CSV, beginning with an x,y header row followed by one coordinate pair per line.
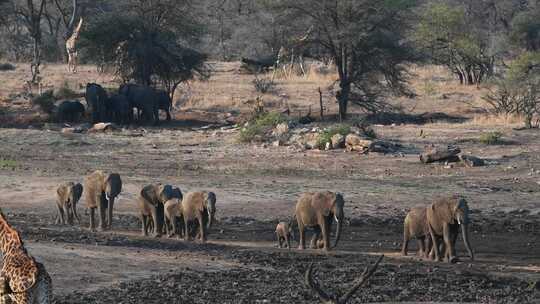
x,y
440,154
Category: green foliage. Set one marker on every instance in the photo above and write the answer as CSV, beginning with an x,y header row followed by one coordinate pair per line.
x,y
45,101
260,126
491,138
7,163
326,136
446,37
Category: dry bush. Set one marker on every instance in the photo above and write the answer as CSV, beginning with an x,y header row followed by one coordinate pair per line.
x,y
264,84
45,101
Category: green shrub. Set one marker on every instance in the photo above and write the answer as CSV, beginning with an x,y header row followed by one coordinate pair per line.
x,y
326,136
259,126
7,163
491,138
45,101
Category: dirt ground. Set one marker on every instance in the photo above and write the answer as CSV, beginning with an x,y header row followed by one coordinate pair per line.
x,y
256,186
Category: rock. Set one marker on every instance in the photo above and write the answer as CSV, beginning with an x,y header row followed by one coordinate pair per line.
x,y
338,141
281,129
102,127
471,161
72,130
277,143
328,146
354,142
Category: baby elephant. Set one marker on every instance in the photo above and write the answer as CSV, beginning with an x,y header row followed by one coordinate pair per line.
x,y
415,227
174,222
284,234
70,110
67,196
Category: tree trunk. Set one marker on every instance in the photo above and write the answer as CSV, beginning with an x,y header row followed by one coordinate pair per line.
x,y
440,154
343,99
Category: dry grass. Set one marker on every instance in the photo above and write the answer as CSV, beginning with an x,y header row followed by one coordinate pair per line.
x,y
496,120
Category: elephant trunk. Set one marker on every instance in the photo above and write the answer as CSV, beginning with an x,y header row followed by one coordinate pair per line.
x,y
339,220
465,232
210,219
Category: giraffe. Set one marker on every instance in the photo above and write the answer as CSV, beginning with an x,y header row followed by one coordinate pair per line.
x,y
294,50
71,48
22,279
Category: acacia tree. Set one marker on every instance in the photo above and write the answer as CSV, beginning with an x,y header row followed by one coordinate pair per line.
x,y
365,39
146,42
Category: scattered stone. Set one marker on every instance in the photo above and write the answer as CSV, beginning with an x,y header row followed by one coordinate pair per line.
x,y
354,142
277,143
338,141
102,127
281,129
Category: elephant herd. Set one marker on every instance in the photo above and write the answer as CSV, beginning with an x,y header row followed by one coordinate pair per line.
x,y
164,209
118,108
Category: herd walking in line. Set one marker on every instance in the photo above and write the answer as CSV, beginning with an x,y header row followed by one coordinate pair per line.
x,y
164,209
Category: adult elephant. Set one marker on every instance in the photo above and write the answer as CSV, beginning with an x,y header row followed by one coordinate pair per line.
x,y
151,202
70,110
318,210
198,207
101,190
165,102
96,100
118,109
143,98
443,218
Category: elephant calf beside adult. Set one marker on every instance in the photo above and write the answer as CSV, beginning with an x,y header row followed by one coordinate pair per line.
x,y
318,210
151,202
67,196
200,208
143,98
118,109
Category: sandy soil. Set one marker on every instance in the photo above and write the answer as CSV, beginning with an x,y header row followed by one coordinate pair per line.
x,y
257,186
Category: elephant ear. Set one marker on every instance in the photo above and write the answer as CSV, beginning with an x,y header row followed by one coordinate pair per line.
x,y
149,193
77,190
62,193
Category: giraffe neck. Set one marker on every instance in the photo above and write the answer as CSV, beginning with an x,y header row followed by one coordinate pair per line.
x,y
9,237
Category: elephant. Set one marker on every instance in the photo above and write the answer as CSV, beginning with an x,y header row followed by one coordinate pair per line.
x,y
174,221
444,217
67,196
101,190
284,234
151,202
415,226
143,98
199,207
165,102
118,109
96,100
70,110
317,210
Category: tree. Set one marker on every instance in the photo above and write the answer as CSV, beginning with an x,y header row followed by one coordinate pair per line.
x,y
366,39
526,29
445,35
30,13
146,42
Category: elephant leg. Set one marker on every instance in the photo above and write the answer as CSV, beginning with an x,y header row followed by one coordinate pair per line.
x,y
421,245
202,228
144,225
168,115
453,238
288,241
110,213
67,212
92,219
435,243
448,244
60,219
155,217
429,253
187,233
75,213
302,236
278,237
102,213
315,237
405,242
325,230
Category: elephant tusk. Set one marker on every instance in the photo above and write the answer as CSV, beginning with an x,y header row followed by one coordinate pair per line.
x,y
335,217
459,221
107,197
